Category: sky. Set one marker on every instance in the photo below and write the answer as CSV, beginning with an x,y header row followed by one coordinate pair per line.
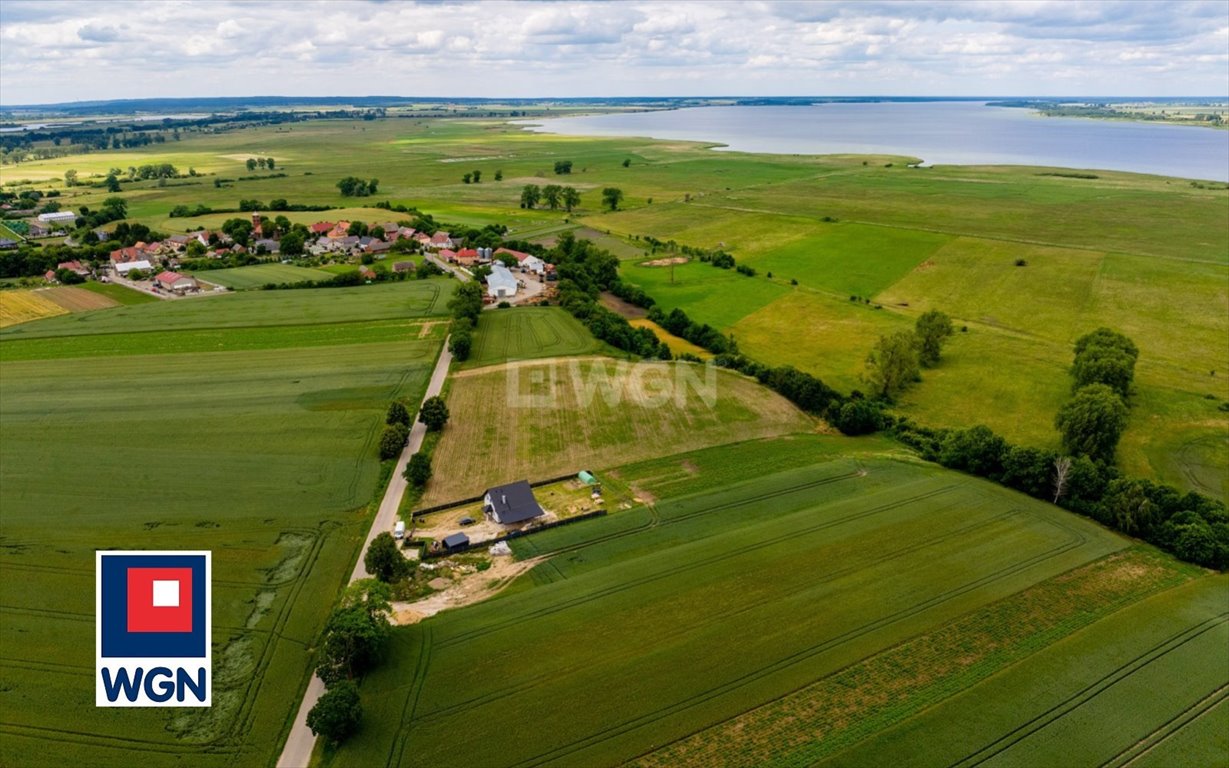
x,y
63,50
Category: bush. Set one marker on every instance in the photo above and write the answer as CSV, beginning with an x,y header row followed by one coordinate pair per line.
x,y
418,470
397,414
858,417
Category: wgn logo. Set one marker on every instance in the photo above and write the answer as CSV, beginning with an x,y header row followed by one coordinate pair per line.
x,y
152,629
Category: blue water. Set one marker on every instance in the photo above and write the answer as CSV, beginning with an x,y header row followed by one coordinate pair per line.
x,y
937,132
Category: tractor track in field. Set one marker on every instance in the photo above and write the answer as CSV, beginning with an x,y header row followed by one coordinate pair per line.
x,y
410,704
1076,540
1090,692
717,616
546,611
1169,729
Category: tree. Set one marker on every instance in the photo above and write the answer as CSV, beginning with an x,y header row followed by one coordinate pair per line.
x,y
112,183
355,633
460,343
858,417
1092,422
499,175
1062,469
269,162
434,413
357,229
892,365
571,198
251,163
70,178
530,195
627,161
337,713
477,177
611,197
1108,365
392,440
932,328
291,244
1105,337
466,302
397,414
466,178
68,277
385,561
563,167
551,193
418,470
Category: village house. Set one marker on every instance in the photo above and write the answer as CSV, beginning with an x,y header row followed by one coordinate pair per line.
x,y
340,229
448,256
269,246
441,240
49,276
320,228
467,256
74,266
511,504
38,230
534,264
175,282
520,256
403,266
7,244
377,247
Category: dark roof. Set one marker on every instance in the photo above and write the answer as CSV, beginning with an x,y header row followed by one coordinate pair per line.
x,y
514,502
455,540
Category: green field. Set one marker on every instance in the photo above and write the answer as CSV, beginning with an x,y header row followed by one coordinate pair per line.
x,y
240,278
255,442
310,306
526,333
707,606
118,292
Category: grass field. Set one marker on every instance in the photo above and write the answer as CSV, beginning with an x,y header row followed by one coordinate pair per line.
x,y
678,346
526,333
255,442
556,418
21,306
716,605
241,278
118,293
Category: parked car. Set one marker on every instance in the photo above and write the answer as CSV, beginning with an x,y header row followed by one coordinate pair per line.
x,y
467,521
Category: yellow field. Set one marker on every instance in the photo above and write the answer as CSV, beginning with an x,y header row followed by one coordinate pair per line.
x,y
78,299
24,306
677,345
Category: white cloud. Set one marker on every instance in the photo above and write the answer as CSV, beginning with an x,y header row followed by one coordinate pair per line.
x,y
80,50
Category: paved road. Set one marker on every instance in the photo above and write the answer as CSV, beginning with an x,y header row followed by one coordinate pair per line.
x,y
298,750
459,274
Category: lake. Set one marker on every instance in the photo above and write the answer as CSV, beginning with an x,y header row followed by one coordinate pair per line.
x,y
938,132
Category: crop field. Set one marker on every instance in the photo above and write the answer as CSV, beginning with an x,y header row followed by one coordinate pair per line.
x,y
255,442
750,614
310,306
526,333
22,306
76,299
240,278
118,293
677,345
556,417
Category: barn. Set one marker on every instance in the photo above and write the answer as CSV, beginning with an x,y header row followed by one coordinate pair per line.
x,y
501,283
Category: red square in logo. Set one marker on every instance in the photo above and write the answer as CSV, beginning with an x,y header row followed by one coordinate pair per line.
x,y
159,599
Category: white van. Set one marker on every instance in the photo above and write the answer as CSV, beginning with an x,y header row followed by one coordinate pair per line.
x,y
399,530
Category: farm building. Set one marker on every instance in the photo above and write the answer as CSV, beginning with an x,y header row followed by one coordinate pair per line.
x,y
512,503
533,264
403,266
58,217
455,541
124,267
269,245
7,244
501,283
175,282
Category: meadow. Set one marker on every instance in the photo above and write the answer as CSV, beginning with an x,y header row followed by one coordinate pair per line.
x,y
525,333
539,420
255,442
711,606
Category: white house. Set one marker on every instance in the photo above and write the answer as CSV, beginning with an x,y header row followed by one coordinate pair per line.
x,y
124,267
59,217
501,283
533,264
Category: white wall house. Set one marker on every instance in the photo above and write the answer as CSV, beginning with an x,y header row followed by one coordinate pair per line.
x,y
501,283
59,217
533,264
125,267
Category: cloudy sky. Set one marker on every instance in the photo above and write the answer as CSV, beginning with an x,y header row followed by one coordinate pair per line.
x,y
62,50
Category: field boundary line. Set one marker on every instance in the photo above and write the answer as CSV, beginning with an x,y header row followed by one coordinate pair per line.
x,y
1166,732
